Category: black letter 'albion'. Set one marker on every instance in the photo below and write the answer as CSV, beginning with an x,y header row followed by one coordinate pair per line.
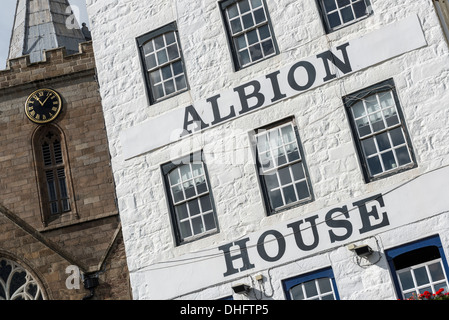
x,y
196,119
344,67
311,75
255,94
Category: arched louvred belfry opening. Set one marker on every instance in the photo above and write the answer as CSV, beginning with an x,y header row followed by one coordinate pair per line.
x,y
17,283
53,173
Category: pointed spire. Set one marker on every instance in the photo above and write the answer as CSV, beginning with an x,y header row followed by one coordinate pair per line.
x,y
43,25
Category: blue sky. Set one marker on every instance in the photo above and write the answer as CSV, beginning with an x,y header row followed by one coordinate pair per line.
x,y
7,19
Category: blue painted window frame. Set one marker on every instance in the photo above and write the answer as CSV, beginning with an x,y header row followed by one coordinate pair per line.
x,y
418,244
323,273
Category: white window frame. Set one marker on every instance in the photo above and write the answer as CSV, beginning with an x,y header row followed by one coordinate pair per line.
x,y
419,289
150,52
393,145
339,10
297,178
255,29
180,222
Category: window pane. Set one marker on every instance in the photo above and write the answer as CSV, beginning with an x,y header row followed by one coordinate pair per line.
x,y
303,190
436,271
189,189
159,42
248,21
256,3
369,147
292,152
271,181
391,117
177,68
177,194
181,211
359,9
276,199
209,221
406,280
310,289
244,6
252,37
170,38
259,15
148,47
388,160
347,14
162,57
403,156
342,3
173,52
268,47
181,82
359,109
284,176
281,158
197,224
334,20
201,185
244,57
185,229
363,127
383,141
256,52
329,5
186,173
236,26
298,171
150,61
421,276
325,285
386,99
240,42
205,203
374,165
166,72
169,87
297,293
194,208
371,104
158,91
397,137
264,32
377,122
155,76
289,194
233,11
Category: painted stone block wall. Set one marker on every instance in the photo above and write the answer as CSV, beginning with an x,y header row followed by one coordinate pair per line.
x,y
335,171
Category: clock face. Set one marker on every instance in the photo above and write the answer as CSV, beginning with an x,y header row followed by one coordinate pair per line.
x,y
43,106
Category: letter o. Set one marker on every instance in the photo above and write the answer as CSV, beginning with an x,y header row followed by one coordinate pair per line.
x,y
261,245
311,75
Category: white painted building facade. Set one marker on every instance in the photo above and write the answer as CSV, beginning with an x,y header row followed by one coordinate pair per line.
x,y
353,98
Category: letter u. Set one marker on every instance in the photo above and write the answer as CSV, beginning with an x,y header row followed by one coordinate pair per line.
x,y
298,234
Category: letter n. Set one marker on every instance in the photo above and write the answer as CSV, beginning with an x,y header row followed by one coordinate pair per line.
x,y
343,66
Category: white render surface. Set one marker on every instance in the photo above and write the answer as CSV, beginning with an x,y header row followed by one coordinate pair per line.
x,y
421,82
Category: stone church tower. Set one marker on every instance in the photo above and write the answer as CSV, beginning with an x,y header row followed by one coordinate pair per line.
x,y
60,232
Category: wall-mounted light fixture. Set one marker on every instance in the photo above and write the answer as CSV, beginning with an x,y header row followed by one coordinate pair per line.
x,y
241,288
362,251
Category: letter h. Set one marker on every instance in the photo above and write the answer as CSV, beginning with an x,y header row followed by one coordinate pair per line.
x,y
242,255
